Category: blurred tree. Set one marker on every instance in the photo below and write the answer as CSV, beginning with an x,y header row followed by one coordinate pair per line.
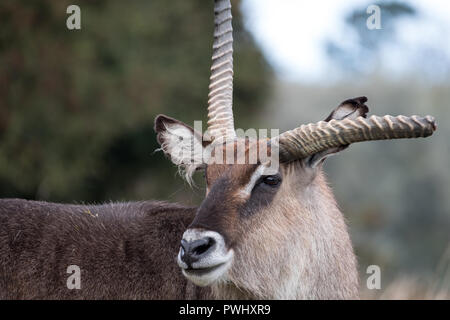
x,y
362,54
77,107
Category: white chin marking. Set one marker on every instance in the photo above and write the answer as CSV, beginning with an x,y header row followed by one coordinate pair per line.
x,y
205,277
212,267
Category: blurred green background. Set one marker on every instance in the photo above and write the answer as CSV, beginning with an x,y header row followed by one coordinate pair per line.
x,y
77,107
77,110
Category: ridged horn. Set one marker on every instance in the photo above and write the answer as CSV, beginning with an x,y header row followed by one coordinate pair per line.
x,y
309,139
220,97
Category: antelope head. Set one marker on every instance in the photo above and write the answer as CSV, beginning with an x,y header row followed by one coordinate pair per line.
x,y
268,221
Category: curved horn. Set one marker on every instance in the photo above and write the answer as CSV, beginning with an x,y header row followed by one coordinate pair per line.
x,y
309,139
220,97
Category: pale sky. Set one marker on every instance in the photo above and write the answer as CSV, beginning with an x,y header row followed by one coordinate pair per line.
x,y
291,33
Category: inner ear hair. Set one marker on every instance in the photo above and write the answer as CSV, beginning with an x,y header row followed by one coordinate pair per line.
x,y
351,109
181,144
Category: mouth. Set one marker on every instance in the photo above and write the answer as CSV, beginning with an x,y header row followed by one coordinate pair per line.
x,y
208,275
202,271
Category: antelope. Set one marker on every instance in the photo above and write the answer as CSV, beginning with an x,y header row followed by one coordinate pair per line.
x,y
269,228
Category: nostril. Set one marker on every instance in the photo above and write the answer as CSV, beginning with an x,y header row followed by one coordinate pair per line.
x,y
206,244
193,251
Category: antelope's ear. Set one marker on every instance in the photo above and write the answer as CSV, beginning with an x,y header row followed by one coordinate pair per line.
x,y
352,109
181,143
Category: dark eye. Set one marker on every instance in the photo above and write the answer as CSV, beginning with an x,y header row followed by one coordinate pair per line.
x,y
272,180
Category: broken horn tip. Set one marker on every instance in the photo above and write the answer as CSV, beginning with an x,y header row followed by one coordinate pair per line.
x,y
432,122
